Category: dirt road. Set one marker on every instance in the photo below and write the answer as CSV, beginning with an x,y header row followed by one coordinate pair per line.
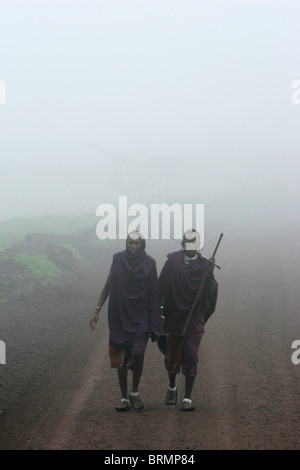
x,y
58,391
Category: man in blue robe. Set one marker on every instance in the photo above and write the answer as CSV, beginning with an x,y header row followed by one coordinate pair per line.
x,y
133,314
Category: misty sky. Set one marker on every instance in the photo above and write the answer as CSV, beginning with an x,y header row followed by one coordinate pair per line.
x,y
157,99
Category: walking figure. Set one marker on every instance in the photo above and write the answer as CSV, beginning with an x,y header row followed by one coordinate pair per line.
x,y
183,274
133,314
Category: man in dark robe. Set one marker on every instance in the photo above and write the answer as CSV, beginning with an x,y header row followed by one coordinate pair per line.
x,y
179,282
133,314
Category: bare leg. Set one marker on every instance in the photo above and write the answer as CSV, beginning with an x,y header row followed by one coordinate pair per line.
x,y
134,397
171,396
122,375
172,380
135,381
189,383
125,404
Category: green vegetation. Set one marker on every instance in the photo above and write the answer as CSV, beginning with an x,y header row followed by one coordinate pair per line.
x,y
39,266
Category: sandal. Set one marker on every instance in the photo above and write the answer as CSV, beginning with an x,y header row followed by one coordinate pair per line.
x,y
171,396
135,401
187,405
124,406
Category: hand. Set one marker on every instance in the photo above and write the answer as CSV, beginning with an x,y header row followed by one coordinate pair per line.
x,y
153,336
94,320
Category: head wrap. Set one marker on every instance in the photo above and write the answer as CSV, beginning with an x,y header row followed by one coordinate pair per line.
x,y
191,240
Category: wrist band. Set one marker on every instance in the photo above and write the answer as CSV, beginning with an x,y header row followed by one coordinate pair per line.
x,y
97,308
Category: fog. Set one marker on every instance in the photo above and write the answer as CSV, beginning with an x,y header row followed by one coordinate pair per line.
x,y
162,101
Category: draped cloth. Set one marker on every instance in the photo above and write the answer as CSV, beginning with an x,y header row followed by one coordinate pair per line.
x,y
134,303
179,283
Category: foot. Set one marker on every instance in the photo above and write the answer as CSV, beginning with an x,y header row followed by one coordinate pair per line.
x,y
171,396
187,405
124,405
135,401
